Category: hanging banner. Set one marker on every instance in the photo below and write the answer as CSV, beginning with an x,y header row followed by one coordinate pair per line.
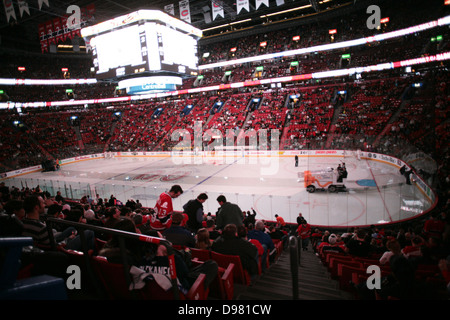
x,y
242,4
49,32
217,10
42,34
9,10
42,37
23,7
280,2
185,12
260,2
64,27
74,33
40,2
59,31
44,46
88,45
170,9
88,13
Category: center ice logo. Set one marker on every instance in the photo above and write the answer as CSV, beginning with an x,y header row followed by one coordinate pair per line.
x,y
191,148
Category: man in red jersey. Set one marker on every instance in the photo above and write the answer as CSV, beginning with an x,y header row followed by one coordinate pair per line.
x,y
304,232
162,218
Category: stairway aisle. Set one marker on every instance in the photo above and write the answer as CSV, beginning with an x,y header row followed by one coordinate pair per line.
x,y
314,282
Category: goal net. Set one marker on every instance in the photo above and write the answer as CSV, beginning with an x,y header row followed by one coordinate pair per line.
x,y
352,154
108,155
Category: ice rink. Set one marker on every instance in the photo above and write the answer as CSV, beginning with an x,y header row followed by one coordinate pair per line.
x,y
270,184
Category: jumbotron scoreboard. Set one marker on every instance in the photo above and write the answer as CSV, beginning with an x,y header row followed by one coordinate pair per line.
x,y
144,43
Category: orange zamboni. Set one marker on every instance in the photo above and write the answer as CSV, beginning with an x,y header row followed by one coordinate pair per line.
x,y
322,180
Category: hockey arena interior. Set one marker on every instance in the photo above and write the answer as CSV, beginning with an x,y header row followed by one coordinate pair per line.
x,y
224,151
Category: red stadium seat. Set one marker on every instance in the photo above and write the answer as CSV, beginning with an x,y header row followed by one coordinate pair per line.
x,y
201,254
222,286
335,262
112,276
240,274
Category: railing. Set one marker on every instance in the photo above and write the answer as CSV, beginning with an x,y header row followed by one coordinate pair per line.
x,y
121,235
387,202
295,261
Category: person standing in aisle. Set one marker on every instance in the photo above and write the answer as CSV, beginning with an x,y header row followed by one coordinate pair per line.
x,y
162,217
228,213
304,232
194,209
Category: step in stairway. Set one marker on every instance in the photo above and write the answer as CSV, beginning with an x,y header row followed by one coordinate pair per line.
x,y
314,281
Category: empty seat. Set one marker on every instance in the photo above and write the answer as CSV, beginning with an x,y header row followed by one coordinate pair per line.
x,y
240,274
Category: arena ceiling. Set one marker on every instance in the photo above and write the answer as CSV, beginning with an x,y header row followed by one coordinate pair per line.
x,y
24,29
200,9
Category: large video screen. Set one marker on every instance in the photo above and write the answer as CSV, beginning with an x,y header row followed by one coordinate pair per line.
x,y
141,43
117,51
178,51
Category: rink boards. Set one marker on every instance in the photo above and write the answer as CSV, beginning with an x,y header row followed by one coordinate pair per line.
x,y
267,181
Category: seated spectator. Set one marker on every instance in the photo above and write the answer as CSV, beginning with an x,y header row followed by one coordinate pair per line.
x,y
229,243
59,198
34,227
112,215
358,244
178,234
434,227
332,245
278,234
14,207
402,283
394,249
202,239
414,250
55,211
264,238
211,227
316,237
76,214
141,226
243,234
153,259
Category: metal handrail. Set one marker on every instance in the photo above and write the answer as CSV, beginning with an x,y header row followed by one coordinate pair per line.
x,y
294,258
122,235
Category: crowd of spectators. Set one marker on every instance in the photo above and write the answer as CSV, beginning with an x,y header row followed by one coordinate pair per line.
x,y
352,26
414,257
367,118
25,212
423,244
395,113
